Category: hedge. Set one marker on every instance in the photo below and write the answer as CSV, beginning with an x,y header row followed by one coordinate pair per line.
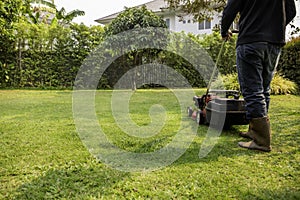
x,y
289,64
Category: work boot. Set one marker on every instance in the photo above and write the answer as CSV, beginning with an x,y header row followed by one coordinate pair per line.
x,y
261,134
248,133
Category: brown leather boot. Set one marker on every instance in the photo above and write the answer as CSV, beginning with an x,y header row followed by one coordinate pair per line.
x,y
261,134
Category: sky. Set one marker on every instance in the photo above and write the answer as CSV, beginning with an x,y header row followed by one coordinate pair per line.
x,y
95,9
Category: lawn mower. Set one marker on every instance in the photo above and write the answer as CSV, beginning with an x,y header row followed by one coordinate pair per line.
x,y
218,106
221,103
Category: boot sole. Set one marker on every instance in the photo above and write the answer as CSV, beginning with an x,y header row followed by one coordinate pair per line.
x,y
255,148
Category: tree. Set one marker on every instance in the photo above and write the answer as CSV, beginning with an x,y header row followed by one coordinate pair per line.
x,y
11,12
130,19
37,51
42,11
65,18
48,8
212,44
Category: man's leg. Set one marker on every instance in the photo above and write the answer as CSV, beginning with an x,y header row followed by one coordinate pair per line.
x,y
250,59
255,76
270,63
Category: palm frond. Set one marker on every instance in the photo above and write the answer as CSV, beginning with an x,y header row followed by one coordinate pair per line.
x,y
73,14
45,3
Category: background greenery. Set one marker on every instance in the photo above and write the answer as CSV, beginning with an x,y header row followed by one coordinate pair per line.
x,y
44,52
42,157
289,64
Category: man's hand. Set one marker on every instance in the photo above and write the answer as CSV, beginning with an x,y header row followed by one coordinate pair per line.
x,y
228,36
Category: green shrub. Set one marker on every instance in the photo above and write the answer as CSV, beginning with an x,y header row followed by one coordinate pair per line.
x,y
289,64
280,84
228,82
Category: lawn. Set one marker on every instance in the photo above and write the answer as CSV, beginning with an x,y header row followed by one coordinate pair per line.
x,y
42,156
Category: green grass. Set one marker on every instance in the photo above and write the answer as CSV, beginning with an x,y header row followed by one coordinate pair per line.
x,y
42,157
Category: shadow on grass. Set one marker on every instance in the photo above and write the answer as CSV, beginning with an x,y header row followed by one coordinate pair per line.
x,y
285,139
225,146
73,182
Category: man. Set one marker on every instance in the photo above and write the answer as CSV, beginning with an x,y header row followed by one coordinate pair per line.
x,y
262,27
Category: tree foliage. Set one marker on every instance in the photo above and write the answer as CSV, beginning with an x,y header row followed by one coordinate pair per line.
x,y
212,44
200,9
64,17
134,18
39,54
11,13
44,9
130,19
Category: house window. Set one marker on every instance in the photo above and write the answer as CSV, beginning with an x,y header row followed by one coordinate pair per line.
x,y
184,22
168,22
206,24
201,25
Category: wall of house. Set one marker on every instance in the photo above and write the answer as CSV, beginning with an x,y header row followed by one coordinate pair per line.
x,y
170,20
296,22
187,24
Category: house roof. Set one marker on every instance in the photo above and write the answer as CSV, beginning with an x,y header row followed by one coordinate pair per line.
x,y
155,6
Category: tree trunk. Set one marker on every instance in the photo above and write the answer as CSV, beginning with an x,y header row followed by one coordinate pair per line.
x,y
19,61
137,62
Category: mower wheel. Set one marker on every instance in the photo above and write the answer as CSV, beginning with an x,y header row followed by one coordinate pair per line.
x,y
189,111
200,118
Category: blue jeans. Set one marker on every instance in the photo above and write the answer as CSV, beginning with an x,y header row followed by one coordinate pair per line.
x,y
256,63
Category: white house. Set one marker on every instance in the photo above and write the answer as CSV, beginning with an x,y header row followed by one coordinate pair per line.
x,y
175,20
296,21
178,21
